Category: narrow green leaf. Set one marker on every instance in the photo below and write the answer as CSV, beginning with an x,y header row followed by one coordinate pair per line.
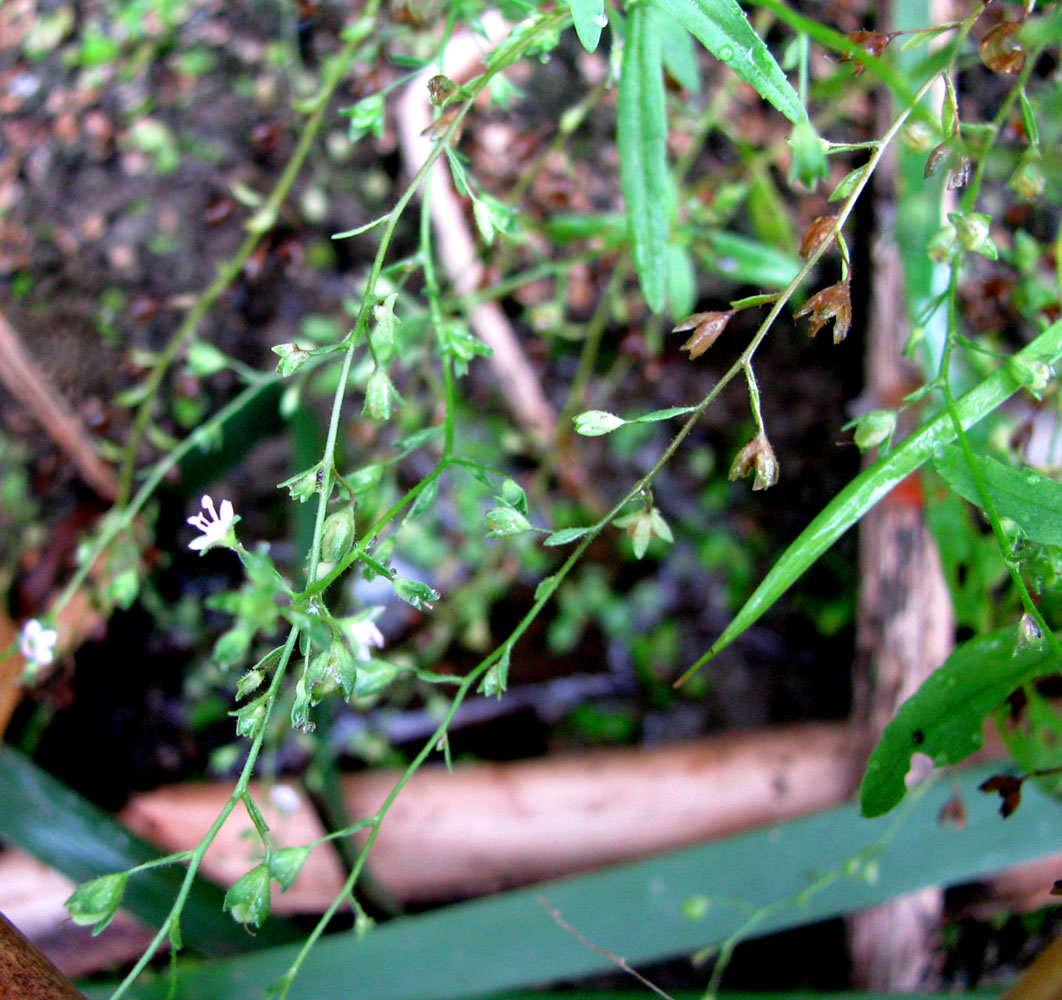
x,y
944,718
589,18
680,57
566,535
681,280
671,411
723,29
848,184
1026,496
748,261
641,135
875,482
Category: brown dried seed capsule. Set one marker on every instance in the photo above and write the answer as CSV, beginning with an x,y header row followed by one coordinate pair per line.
x,y
706,327
441,89
873,42
819,230
1001,51
833,303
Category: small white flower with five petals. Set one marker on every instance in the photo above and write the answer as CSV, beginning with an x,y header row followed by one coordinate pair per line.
x,y
363,635
216,528
37,643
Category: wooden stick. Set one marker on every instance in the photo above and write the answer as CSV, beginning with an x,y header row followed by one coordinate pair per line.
x,y
20,373
25,974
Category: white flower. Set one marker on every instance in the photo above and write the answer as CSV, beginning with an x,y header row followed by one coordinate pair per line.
x,y
216,528
363,635
38,643
285,798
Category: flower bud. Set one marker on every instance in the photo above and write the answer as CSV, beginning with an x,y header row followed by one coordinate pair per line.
x,y
1028,179
250,681
943,245
1030,636
331,672
874,427
97,902
970,228
918,137
378,394
291,360
808,163
250,718
248,899
303,486
504,521
285,864
337,537
972,232
1033,376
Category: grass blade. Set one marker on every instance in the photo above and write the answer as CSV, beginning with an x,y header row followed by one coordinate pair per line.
x,y
723,29
875,482
787,875
641,135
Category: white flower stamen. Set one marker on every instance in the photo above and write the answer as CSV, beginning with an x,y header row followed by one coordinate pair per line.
x,y
215,528
37,643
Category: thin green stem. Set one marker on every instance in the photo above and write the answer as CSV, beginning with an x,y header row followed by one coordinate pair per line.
x,y
262,222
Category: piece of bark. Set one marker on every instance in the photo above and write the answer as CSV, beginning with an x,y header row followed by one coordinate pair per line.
x,y
491,825
905,624
25,974
487,827
520,386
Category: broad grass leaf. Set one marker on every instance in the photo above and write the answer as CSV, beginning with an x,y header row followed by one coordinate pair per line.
x,y
1026,496
848,506
641,135
944,718
589,18
723,29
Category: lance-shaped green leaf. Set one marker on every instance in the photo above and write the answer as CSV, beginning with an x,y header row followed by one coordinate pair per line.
x,y
1026,496
589,18
641,135
944,718
875,482
723,29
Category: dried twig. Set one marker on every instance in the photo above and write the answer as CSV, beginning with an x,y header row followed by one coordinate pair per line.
x,y
457,247
604,953
19,372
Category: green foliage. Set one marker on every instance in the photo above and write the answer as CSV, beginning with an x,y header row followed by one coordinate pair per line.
x,y
944,718
406,483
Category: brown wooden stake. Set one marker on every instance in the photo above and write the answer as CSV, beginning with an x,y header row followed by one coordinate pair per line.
x,y
905,626
20,373
25,974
